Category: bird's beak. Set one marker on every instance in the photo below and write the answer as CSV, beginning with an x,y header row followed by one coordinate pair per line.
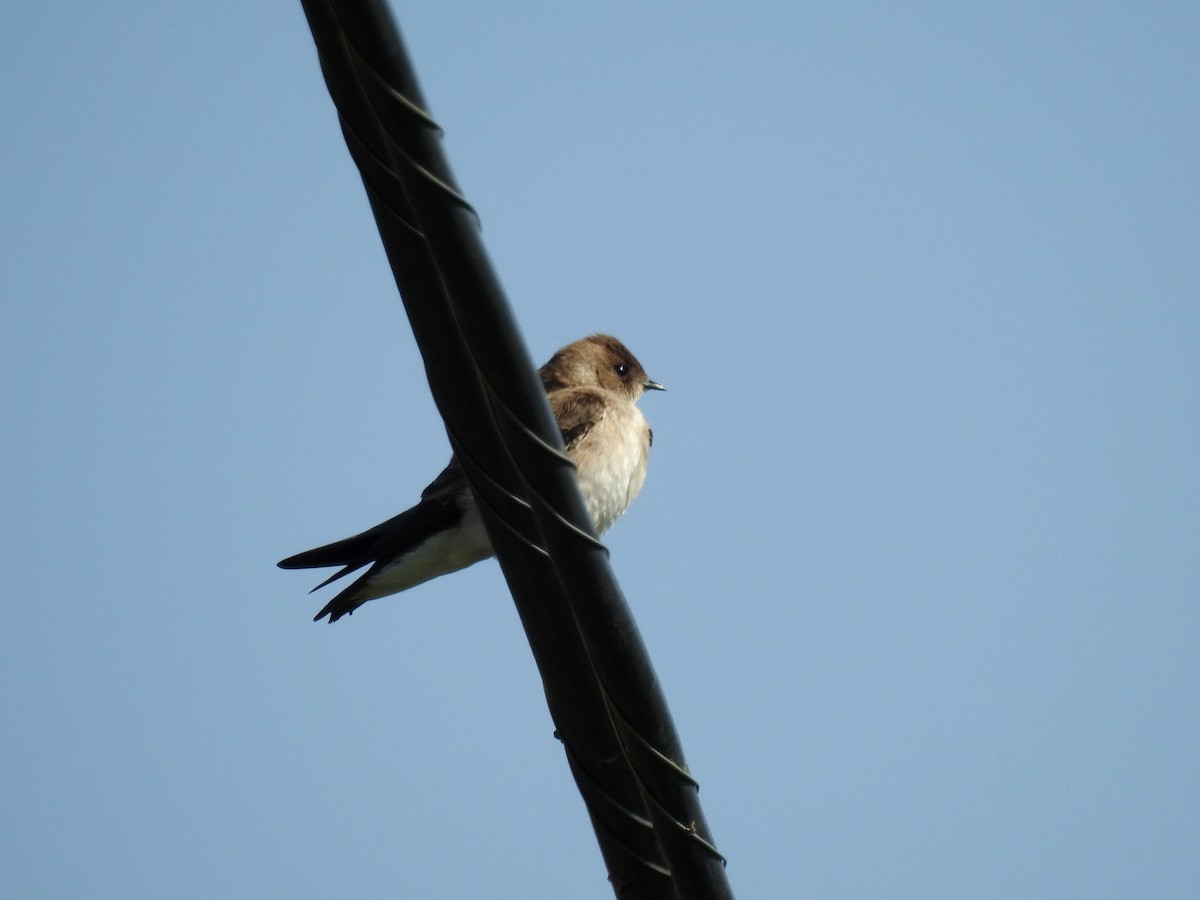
x,y
653,386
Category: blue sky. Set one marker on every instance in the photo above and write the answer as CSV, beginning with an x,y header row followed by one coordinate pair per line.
x,y
917,558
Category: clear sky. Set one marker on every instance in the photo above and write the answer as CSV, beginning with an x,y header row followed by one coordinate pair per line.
x,y
918,557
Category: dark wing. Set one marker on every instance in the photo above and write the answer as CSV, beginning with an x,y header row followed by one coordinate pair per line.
x,y
440,508
576,411
378,547
450,483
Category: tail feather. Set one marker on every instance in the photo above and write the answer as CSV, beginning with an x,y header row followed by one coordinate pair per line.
x,y
346,602
346,552
376,547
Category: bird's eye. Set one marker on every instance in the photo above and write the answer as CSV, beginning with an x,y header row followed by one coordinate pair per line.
x,y
621,369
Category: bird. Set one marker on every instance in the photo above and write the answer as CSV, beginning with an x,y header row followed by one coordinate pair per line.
x,y
593,385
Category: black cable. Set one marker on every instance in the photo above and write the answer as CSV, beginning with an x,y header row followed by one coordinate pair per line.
x,y
604,698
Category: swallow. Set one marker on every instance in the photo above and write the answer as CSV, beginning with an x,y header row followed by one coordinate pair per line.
x,y
593,386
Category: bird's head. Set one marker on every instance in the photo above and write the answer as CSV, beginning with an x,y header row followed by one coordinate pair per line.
x,y
599,360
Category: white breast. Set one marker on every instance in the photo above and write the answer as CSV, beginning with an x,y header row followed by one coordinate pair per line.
x,y
611,461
